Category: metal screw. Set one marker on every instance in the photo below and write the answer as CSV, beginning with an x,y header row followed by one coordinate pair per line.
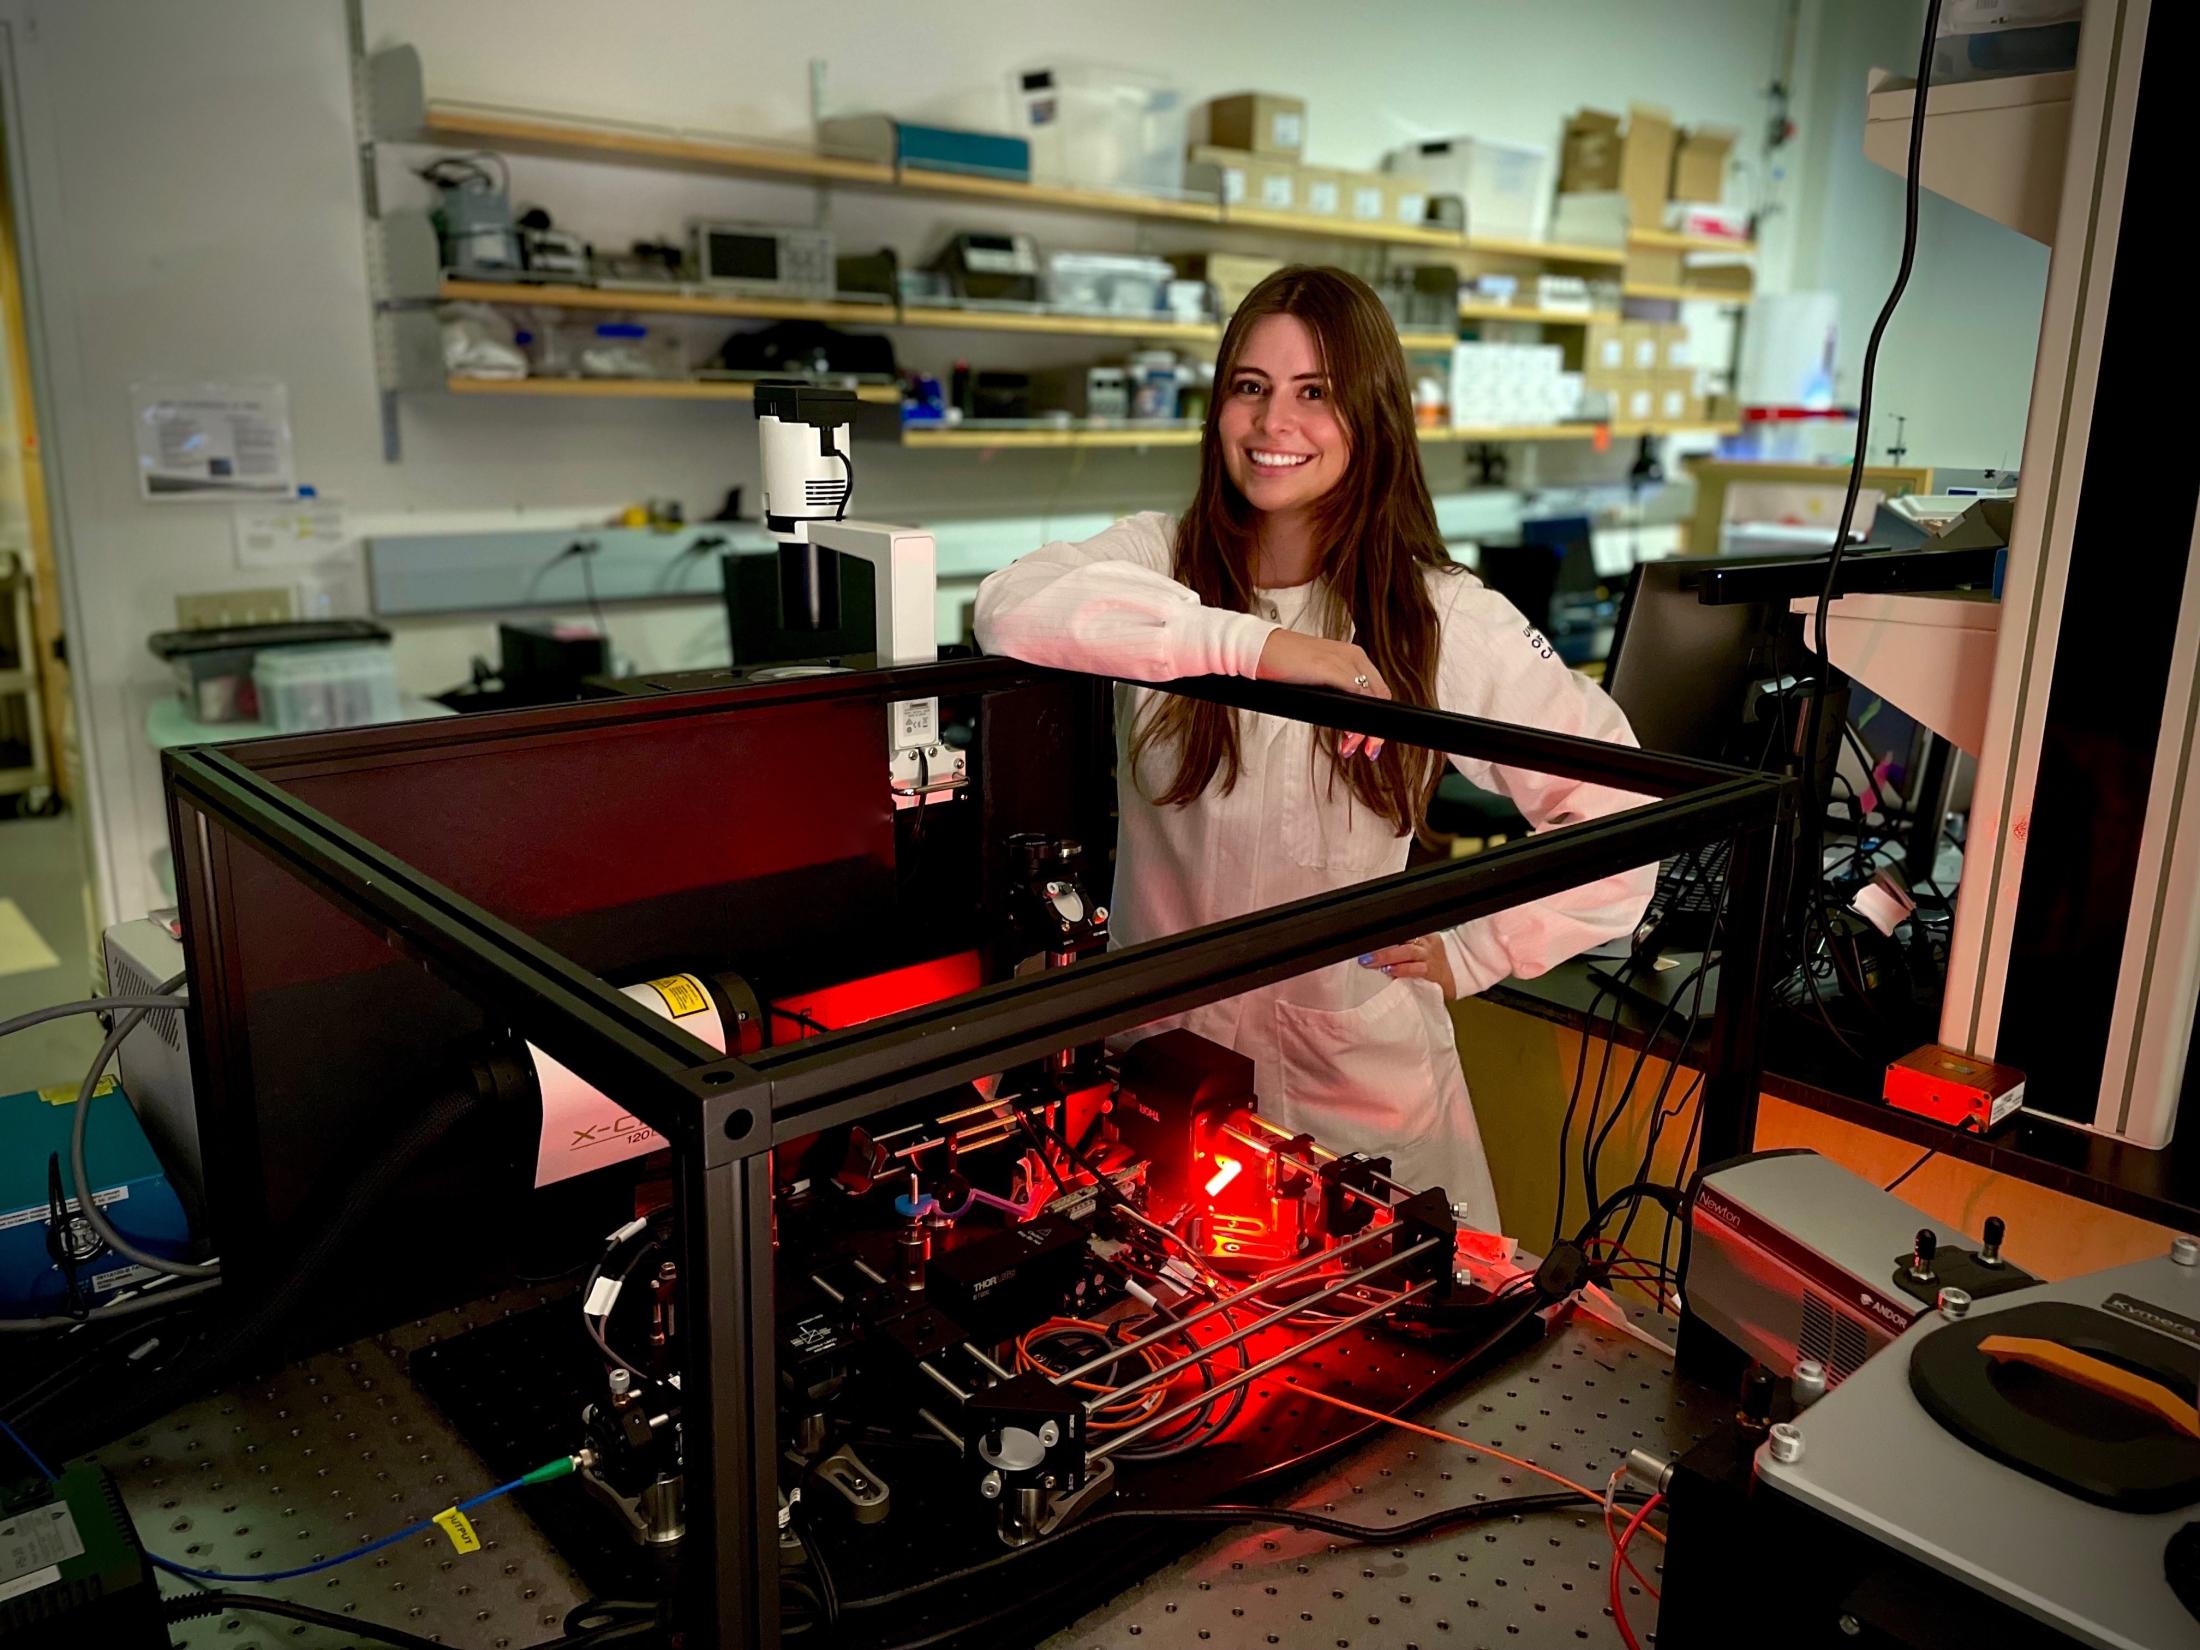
x,y
1954,1303
1787,1443
990,1486
1099,913
1850,1625
622,1382
1463,1278
2185,1251
1049,1434
1810,1382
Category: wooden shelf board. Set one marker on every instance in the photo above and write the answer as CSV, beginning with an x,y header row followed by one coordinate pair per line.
x,y
1672,240
1555,252
668,302
576,139
644,389
1685,294
1342,229
1428,340
1113,435
1071,326
1471,311
1057,196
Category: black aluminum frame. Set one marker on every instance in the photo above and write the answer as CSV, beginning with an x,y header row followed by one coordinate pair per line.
x,y
722,1116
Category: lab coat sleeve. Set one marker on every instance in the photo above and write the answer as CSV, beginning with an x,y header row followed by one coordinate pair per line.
x,y
1494,663
1108,606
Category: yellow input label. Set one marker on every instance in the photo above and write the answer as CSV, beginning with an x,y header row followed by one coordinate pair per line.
x,y
64,1094
681,994
454,1524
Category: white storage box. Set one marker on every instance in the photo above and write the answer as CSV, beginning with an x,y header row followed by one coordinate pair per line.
x,y
1595,219
1506,187
1107,283
1107,128
343,685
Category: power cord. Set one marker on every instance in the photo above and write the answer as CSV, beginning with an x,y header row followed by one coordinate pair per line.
x,y
1813,825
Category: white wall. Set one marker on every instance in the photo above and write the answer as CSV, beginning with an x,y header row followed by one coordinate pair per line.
x,y
1956,365
194,209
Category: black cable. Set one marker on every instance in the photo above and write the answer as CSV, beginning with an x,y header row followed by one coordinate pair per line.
x,y
1912,1169
401,1152
198,1606
1573,1098
1596,1097
1814,716
848,468
1411,1529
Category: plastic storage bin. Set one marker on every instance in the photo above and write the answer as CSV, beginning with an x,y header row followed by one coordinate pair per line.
x,y
1107,283
1104,127
343,685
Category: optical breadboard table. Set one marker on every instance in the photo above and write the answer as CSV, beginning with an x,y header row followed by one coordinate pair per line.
x,y
273,1472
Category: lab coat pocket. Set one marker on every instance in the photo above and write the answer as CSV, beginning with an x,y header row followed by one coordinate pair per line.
x,y
1360,1077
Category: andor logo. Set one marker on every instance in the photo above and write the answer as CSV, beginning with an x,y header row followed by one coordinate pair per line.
x,y
1536,641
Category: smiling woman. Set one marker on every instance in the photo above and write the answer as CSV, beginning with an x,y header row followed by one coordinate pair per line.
x,y
1310,553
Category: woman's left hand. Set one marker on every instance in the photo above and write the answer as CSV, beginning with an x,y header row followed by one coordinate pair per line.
x,y
1421,959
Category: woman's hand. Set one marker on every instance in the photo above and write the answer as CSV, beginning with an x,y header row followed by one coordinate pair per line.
x,y
1316,661
1421,959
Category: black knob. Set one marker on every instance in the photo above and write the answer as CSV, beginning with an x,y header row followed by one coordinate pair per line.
x,y
1758,1388
1990,1253
1921,1256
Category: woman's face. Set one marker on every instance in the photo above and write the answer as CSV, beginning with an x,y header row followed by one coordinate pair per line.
x,y
1281,441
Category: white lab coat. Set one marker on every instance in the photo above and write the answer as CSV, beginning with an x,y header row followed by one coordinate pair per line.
x,y
1361,1061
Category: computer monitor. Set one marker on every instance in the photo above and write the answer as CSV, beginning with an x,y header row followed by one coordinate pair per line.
x,y
1692,675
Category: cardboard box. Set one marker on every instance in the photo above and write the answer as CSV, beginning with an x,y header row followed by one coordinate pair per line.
x,y
1673,350
1738,279
1590,218
1639,346
1634,398
1367,197
1589,154
1322,191
1272,185
1242,178
1699,164
1649,266
1672,393
1604,356
1231,274
1267,123
1405,201
1226,173
1599,157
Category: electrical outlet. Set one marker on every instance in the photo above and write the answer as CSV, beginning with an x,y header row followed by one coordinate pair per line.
x,y
217,609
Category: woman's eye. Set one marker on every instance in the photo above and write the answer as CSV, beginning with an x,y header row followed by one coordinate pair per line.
x,y
1314,392
1248,386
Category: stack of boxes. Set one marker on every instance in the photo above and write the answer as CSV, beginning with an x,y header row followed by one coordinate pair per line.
x,y
1643,372
1512,384
1247,149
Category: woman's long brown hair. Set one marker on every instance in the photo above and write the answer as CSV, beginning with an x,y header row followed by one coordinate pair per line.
x,y
1377,522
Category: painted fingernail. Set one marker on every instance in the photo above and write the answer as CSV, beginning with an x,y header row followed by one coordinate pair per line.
x,y
1390,970
1368,961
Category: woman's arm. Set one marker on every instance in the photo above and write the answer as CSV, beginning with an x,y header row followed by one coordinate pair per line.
x,y
1495,664
1109,606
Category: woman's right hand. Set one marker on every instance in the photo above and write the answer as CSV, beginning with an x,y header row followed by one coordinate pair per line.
x,y
1317,661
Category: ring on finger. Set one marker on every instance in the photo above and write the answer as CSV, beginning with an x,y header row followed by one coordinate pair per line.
x,y
1360,682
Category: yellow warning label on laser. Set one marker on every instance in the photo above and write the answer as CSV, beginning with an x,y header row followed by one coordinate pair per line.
x,y
681,994
454,1525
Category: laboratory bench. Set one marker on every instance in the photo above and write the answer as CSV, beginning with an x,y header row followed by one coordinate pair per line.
x,y
2161,1186
275,1471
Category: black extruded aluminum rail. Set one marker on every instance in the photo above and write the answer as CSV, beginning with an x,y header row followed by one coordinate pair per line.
x,y
722,1115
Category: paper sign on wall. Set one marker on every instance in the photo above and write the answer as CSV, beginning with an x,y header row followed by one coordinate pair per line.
x,y
212,441
298,532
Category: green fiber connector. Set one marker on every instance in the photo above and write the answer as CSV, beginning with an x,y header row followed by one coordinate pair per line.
x,y
551,1470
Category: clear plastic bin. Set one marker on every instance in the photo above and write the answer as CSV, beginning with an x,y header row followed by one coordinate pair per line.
x,y
1104,127
1107,283
343,685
